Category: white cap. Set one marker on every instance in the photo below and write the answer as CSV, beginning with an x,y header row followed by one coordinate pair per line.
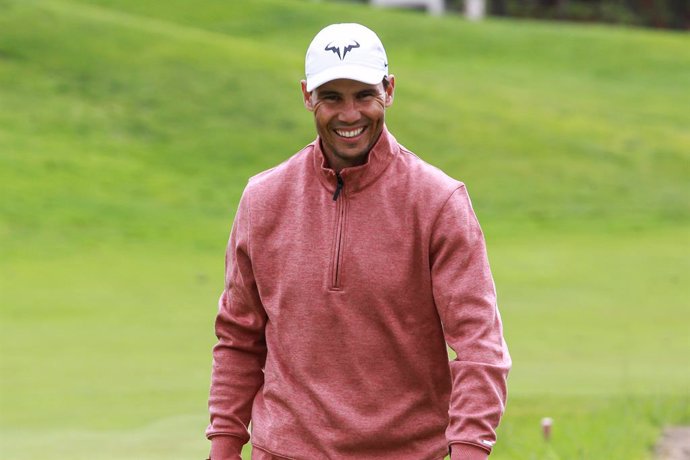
x,y
345,51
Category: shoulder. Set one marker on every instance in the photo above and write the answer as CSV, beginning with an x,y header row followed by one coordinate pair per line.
x,y
445,197
424,177
282,175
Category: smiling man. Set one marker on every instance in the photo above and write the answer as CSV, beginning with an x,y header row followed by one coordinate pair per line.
x,y
349,269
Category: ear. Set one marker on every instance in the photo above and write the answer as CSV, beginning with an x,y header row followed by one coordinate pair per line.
x,y
307,96
390,90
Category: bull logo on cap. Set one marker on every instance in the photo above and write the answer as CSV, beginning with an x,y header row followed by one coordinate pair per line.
x,y
346,47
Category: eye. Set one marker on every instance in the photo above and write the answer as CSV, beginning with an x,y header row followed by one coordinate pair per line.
x,y
330,97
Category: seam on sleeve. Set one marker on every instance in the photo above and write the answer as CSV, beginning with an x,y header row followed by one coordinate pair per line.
x,y
440,211
434,224
249,225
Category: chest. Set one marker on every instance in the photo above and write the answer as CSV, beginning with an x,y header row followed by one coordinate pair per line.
x,y
313,243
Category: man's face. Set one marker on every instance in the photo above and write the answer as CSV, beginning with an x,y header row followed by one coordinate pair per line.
x,y
349,118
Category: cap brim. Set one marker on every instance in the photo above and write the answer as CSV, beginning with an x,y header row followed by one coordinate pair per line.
x,y
350,72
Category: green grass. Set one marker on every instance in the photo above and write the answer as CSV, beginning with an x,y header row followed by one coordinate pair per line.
x,y
128,130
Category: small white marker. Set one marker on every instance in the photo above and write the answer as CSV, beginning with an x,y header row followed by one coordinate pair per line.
x,y
486,442
546,424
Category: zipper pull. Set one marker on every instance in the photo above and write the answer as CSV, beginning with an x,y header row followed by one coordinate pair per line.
x,y
338,187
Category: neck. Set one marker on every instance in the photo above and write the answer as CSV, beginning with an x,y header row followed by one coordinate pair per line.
x,y
338,162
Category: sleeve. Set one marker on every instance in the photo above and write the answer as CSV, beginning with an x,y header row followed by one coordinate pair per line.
x,y
465,297
240,353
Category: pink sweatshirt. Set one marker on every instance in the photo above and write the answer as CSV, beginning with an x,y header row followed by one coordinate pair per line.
x,y
338,305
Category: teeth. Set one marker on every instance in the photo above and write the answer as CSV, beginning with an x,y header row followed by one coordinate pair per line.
x,y
354,133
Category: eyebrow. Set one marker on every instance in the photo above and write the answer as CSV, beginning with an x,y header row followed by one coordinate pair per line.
x,y
363,92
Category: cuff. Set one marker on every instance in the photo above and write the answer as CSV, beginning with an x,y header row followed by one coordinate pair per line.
x,y
226,448
459,451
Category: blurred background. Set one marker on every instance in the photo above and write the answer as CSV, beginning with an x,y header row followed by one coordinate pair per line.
x,y
129,128
671,14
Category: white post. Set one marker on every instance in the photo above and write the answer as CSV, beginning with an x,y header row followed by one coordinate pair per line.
x,y
435,7
475,9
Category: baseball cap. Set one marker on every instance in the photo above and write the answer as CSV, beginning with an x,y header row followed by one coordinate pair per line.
x,y
349,51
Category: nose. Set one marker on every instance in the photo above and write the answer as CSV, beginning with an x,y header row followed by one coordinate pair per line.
x,y
349,112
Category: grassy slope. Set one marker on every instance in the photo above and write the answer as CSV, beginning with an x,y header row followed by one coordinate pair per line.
x,y
127,131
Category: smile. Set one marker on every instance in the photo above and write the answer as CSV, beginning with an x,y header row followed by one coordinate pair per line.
x,y
349,133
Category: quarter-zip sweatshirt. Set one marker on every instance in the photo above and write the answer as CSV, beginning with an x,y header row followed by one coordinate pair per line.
x,y
342,291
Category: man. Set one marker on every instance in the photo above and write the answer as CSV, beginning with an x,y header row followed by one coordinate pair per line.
x,y
349,268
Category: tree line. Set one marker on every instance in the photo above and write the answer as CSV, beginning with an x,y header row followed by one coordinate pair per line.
x,y
671,14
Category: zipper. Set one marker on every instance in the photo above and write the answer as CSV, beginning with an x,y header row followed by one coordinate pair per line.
x,y
338,187
336,262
